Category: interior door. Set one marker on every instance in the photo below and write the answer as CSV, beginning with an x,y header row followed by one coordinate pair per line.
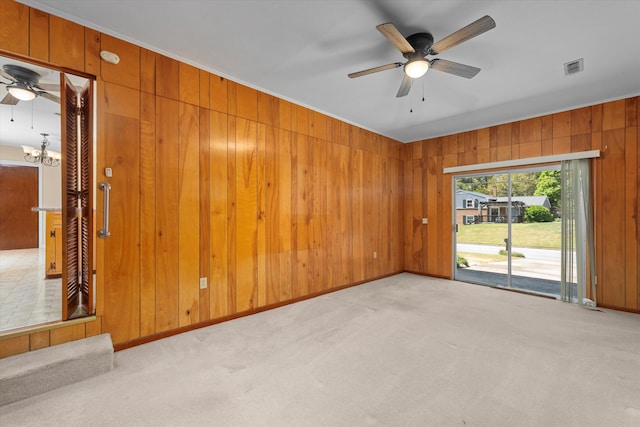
x,y
19,193
77,199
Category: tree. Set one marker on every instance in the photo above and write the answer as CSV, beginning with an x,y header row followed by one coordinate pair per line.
x,y
549,185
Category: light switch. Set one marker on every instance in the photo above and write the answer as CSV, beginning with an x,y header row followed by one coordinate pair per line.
x,y
425,221
108,172
203,283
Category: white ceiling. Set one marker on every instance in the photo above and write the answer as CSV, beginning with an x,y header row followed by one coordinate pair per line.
x,y
302,50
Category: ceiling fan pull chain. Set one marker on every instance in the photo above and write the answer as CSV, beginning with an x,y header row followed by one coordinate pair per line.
x,y
12,114
422,90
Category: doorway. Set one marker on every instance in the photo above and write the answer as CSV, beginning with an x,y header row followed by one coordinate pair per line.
x,y
31,139
508,230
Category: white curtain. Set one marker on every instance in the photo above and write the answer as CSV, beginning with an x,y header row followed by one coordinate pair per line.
x,y
577,233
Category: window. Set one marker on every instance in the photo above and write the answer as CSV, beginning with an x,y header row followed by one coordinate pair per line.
x,y
469,219
470,203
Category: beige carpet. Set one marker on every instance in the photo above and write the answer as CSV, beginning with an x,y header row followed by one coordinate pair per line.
x,y
403,351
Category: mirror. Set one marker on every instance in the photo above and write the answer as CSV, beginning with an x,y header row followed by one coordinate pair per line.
x,y
31,194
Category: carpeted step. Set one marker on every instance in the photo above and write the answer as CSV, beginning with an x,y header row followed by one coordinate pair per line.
x,y
39,371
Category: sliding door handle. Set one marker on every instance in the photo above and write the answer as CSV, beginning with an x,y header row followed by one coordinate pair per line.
x,y
104,232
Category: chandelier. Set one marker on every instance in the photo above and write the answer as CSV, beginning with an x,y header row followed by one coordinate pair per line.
x,y
42,156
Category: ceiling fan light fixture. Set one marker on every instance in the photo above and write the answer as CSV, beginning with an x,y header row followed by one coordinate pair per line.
x,y
21,92
416,68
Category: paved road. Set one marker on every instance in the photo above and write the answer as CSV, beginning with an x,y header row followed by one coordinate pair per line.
x,y
529,253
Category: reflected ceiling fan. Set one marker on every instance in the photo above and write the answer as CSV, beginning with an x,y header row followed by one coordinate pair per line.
x,y
417,47
25,85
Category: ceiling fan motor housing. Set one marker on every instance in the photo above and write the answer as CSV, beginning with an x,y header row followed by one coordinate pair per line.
x,y
22,74
421,43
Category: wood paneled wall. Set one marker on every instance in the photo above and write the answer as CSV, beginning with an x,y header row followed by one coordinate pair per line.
x,y
270,201
266,200
611,128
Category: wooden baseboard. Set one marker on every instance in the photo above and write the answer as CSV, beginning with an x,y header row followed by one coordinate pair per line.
x,y
615,307
166,334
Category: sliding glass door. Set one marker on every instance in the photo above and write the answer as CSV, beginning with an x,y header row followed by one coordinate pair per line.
x,y
508,230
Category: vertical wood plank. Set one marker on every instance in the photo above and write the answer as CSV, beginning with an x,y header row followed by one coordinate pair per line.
x,y
345,234
370,204
284,214
261,208
416,221
357,214
218,206
246,214
167,76
333,216
204,89
127,71
188,211
632,112
273,282
285,114
14,27
581,121
613,115
631,217
118,287
167,193
92,43
93,328
204,168
14,345
561,124
67,334
232,99
302,214
246,102
66,43
189,84
231,211
612,278
445,232
147,214
319,160
268,109
218,93
147,71
38,34
431,197
38,340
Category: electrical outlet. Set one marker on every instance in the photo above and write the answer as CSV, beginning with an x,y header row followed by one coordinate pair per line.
x,y
203,283
375,255
425,221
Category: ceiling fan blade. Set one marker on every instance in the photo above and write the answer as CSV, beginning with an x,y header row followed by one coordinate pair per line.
x,y
9,100
405,86
375,70
455,68
50,97
472,30
7,75
48,86
393,35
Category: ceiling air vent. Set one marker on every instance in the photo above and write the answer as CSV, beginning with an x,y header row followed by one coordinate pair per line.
x,y
573,67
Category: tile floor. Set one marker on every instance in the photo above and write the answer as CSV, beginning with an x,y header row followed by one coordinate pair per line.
x,y
26,298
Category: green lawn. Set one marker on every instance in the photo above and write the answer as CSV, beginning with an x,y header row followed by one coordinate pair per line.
x,y
529,235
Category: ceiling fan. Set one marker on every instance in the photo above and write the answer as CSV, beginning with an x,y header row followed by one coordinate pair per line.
x,y
417,47
25,85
